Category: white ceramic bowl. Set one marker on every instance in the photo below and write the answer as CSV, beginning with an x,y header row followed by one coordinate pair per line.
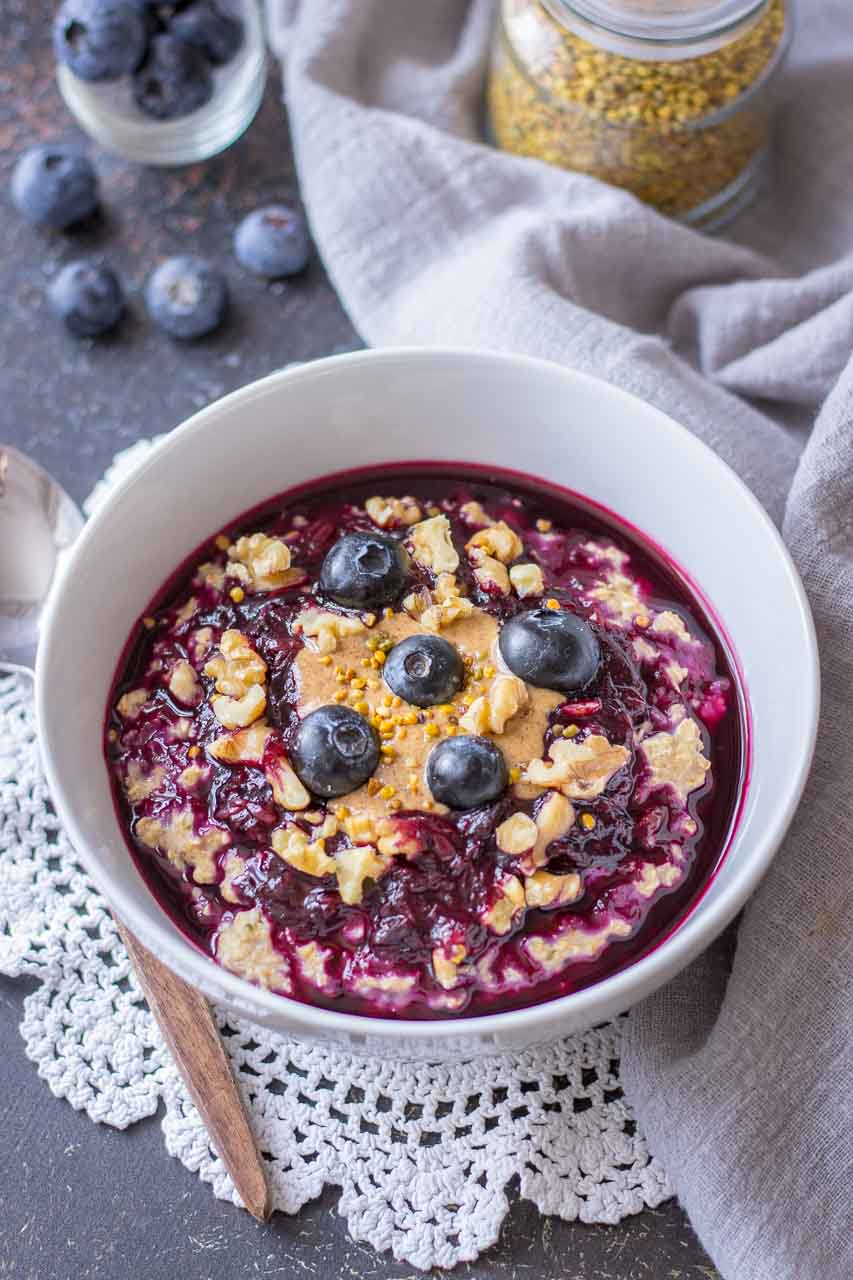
x,y
386,406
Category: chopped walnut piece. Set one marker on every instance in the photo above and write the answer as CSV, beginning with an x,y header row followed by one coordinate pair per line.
x,y
390,512
490,712
262,562
448,604
609,554
432,545
676,759
175,836
130,704
287,791
517,833
527,580
236,713
554,819
186,611
239,673
190,777
619,596
211,575
581,770
510,900
643,651
233,867
670,624
245,747
200,643
138,784
573,942
327,628
354,866
498,541
676,673
360,828
473,513
245,946
237,667
445,964
652,877
293,847
543,889
184,683
313,963
489,572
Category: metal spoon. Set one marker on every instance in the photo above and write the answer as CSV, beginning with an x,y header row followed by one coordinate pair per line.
x,y
38,524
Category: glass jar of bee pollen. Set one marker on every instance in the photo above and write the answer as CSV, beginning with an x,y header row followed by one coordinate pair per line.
x,y
670,99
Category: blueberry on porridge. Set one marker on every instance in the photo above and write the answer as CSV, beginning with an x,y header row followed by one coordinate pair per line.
x,y
421,745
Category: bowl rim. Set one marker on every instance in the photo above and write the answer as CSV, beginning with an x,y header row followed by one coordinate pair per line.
x,y
617,991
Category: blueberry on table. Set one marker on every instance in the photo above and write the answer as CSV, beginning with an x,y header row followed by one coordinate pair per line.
x,y
364,570
273,241
334,751
88,297
552,649
186,297
216,34
466,771
174,79
425,670
100,39
55,185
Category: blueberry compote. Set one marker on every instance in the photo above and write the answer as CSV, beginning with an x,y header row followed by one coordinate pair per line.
x,y
532,798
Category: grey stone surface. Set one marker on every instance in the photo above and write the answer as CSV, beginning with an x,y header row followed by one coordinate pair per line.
x,y
79,1201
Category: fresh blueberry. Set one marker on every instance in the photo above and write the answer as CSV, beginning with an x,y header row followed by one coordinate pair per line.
x,y
218,35
551,648
186,297
55,185
425,670
334,751
174,79
88,297
466,771
273,241
100,39
364,570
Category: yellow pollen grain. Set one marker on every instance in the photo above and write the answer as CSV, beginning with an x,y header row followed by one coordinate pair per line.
x,y
552,603
387,792
643,620
387,612
237,594
358,683
395,804
373,787
432,730
379,658
514,774
148,623
544,526
488,672
194,752
387,701
373,684
571,731
587,821
326,660
340,695
362,707
342,812
396,701
221,542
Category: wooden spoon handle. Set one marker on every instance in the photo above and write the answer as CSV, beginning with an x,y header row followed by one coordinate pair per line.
x,y
187,1026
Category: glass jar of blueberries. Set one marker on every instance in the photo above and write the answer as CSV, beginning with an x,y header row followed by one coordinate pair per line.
x,y
161,82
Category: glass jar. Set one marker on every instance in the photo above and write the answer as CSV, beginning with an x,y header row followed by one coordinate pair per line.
x,y
670,99
110,116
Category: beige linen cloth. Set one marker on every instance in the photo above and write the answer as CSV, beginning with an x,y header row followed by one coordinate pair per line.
x,y
740,1070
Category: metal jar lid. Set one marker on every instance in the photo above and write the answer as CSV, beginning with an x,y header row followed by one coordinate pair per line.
x,y
665,30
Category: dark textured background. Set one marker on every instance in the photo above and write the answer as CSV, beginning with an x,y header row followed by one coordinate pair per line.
x,y
80,1201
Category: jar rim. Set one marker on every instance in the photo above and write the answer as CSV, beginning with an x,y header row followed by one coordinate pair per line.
x,y
666,30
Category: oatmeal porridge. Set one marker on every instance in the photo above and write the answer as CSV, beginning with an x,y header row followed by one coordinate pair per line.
x,y
423,745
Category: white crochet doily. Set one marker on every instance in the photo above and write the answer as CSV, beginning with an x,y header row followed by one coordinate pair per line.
x,y
422,1154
